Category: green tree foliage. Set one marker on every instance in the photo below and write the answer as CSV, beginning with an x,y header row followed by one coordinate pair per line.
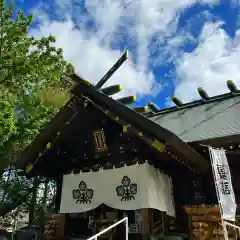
x,y
11,185
32,88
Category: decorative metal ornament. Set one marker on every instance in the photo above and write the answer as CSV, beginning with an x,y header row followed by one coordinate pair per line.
x,y
99,141
83,195
126,190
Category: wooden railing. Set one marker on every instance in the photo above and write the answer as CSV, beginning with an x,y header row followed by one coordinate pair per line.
x,y
95,237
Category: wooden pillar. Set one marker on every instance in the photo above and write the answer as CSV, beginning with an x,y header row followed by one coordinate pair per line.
x,y
58,194
165,222
190,228
146,215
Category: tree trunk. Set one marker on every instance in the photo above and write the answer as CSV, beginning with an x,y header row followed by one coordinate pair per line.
x,y
58,194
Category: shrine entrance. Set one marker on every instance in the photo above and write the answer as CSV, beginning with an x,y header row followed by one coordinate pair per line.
x,y
91,203
143,224
84,225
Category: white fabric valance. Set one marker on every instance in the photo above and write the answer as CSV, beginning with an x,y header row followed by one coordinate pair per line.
x,y
127,188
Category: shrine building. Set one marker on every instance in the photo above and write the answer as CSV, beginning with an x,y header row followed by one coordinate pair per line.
x,y
152,165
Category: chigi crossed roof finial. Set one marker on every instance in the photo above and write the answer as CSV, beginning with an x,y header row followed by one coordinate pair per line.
x,y
112,70
111,90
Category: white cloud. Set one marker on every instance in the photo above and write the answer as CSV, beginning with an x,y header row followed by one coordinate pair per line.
x,y
91,51
210,65
92,60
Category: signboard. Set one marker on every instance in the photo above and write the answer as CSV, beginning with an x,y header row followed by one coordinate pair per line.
x,y
223,183
99,141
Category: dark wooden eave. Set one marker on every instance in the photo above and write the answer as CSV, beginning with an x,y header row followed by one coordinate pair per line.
x,y
218,142
90,93
145,124
231,144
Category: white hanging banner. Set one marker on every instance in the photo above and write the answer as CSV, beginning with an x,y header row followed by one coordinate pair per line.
x,y
127,188
223,182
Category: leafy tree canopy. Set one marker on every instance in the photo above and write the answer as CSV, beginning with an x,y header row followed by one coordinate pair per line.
x,y
32,88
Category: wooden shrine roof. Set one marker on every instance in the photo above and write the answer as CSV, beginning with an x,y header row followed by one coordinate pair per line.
x,y
152,133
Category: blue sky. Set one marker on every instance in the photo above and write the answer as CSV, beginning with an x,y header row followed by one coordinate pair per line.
x,y
174,47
